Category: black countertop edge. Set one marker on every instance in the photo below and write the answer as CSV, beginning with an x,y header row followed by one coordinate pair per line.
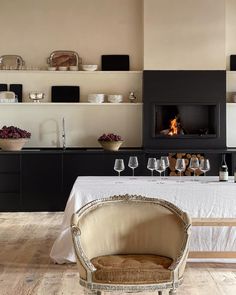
x,y
121,150
70,150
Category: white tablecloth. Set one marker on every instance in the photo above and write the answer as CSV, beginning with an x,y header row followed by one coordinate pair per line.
x,y
206,197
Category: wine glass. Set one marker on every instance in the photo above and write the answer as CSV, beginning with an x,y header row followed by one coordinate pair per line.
x,y
161,166
152,164
194,165
133,163
119,165
167,162
204,166
180,166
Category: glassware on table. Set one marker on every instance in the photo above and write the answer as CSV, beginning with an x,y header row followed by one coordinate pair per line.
x,y
119,166
204,166
180,166
194,165
133,163
152,164
167,162
161,166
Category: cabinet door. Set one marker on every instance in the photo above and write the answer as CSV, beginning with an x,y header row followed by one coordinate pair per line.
x,y
95,164
75,165
41,182
10,195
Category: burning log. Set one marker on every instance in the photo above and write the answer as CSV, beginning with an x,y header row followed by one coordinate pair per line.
x,y
175,128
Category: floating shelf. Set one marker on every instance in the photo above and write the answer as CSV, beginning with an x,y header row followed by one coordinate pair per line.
x,y
68,72
70,104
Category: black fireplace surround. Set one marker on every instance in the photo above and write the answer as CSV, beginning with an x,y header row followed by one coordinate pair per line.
x,y
195,100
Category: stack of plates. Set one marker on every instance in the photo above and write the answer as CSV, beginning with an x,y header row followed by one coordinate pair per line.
x,y
115,98
96,97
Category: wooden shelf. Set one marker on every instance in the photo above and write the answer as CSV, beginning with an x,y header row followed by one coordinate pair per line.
x,y
68,72
70,104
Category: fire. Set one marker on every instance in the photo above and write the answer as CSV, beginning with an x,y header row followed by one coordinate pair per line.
x,y
173,127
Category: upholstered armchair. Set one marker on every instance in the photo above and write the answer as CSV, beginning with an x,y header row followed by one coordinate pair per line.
x,y
130,244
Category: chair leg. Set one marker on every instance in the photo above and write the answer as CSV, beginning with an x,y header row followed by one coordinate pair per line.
x,y
173,292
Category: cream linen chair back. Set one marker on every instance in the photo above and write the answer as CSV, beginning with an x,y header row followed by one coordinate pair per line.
x,y
131,226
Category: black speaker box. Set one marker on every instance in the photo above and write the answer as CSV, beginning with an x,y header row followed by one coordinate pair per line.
x,y
232,62
3,87
115,62
65,94
17,88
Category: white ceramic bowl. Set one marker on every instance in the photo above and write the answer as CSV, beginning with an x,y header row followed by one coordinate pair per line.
x,y
74,68
115,98
62,68
52,68
96,97
89,67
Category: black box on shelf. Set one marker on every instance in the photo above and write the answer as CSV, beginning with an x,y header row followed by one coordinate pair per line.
x,y
65,93
233,62
115,62
3,87
18,89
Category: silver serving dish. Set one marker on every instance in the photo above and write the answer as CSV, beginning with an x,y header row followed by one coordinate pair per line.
x,y
36,96
64,58
11,62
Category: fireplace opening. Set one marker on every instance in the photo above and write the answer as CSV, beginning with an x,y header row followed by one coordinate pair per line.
x,y
185,120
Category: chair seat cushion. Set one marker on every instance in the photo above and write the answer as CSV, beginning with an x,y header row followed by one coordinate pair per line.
x,y
129,269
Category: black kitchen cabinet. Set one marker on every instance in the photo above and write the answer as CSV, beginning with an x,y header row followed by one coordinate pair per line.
x,y
96,164
42,182
10,182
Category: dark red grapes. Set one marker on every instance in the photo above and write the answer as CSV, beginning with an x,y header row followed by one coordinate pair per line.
x,y
13,132
110,137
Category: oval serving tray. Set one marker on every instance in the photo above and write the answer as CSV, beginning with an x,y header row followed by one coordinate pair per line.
x,y
63,58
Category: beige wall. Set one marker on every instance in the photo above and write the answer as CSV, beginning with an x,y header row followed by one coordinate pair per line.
x,y
84,123
230,29
178,34
184,34
34,28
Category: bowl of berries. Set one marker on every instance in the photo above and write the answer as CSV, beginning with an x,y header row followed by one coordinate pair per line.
x,y
110,141
13,138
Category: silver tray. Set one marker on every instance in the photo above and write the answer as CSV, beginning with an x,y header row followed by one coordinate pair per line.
x,y
11,62
64,58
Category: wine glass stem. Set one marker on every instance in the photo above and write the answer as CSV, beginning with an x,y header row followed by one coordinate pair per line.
x,y
205,174
133,171
119,173
160,176
152,173
194,175
164,173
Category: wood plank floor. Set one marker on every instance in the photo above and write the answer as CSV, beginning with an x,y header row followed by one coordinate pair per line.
x,y
25,266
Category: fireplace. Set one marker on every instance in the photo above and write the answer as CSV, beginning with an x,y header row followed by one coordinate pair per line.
x,y
186,120
184,109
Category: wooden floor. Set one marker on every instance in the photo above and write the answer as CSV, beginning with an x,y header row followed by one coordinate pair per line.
x,y
25,266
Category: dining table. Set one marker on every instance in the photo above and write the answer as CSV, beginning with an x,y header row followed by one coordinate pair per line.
x,y
202,197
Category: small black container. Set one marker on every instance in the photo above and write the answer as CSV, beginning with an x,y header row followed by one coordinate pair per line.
x,y
3,87
232,62
115,62
65,94
18,89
